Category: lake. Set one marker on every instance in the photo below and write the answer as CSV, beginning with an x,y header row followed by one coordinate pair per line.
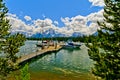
x,y
62,65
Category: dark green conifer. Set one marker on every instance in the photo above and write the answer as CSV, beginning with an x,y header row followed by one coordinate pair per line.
x,y
9,44
105,50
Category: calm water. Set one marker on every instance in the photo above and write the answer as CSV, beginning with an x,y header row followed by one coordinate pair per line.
x,y
62,65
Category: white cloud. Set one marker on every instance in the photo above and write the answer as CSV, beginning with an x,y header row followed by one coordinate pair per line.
x,y
79,23
56,22
43,23
97,2
19,26
27,18
74,24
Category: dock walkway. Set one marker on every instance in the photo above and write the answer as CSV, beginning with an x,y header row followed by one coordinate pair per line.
x,y
37,53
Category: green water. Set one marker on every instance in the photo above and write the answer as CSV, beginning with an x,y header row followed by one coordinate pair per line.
x,y
61,65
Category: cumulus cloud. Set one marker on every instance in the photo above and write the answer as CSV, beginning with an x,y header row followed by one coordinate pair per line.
x,y
27,18
56,22
77,24
17,25
97,2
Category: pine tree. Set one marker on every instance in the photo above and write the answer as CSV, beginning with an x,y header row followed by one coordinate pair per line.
x,y
105,50
25,75
9,44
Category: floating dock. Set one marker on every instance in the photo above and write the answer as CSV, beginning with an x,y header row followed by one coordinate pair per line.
x,y
38,53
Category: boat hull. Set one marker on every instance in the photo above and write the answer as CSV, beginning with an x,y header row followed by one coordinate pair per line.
x,y
71,47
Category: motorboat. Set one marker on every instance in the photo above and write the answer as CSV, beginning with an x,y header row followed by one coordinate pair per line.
x,y
71,45
41,44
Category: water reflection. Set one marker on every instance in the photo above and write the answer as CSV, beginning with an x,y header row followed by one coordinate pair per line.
x,y
62,65
65,62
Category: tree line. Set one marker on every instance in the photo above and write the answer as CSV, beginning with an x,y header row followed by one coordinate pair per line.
x,y
75,39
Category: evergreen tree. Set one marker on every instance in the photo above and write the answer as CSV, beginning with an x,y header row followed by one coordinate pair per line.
x,y
25,75
105,50
9,44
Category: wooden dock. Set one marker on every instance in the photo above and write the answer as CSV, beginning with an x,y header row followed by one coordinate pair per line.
x,y
38,53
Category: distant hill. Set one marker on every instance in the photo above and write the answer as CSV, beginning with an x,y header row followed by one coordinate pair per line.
x,y
48,34
77,34
52,33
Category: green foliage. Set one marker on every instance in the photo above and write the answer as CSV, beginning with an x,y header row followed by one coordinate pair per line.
x,y
9,44
107,61
10,48
14,42
81,38
25,75
4,23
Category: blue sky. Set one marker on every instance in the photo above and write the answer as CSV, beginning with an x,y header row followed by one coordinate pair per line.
x,y
53,9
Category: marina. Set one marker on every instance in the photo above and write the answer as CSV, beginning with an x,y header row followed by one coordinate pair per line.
x,y
45,48
38,53
59,64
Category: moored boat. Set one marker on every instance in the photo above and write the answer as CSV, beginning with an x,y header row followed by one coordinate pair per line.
x,y
71,45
